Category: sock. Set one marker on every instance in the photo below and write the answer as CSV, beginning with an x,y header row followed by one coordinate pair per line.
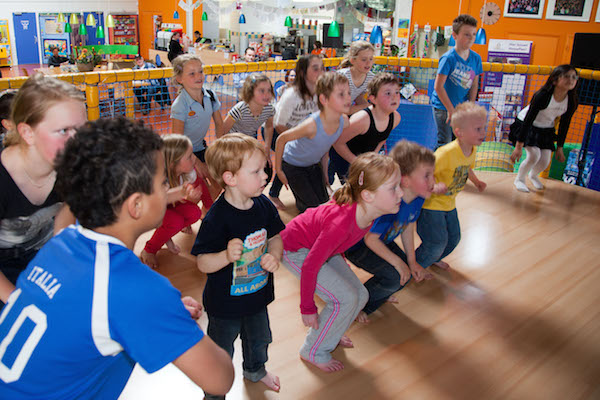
x,y
521,186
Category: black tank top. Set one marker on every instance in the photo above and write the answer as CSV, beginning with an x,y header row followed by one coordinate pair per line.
x,y
370,139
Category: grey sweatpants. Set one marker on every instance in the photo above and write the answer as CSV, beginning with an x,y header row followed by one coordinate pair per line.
x,y
344,297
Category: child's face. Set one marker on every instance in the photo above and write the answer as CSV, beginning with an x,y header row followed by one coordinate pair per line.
x,y
192,76
339,99
473,132
388,196
156,202
262,93
292,76
59,124
388,97
314,71
186,164
251,177
139,62
420,182
465,37
363,61
567,81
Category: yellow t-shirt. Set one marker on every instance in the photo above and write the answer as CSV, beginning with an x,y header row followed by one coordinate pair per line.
x,y
452,168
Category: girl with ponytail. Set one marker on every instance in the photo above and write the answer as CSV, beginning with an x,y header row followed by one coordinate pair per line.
x,y
313,244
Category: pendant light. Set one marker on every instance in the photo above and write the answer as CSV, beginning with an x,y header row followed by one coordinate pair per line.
x,y
376,35
242,19
68,28
110,21
481,37
82,30
204,16
90,21
288,21
100,32
74,19
61,18
176,15
334,29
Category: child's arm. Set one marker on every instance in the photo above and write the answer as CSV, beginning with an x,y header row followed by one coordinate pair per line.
x,y
359,124
177,125
270,261
218,119
480,185
360,103
474,89
408,241
208,366
213,262
268,138
440,80
6,288
226,126
307,128
378,247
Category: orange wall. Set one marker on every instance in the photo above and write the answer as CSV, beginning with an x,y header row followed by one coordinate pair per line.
x,y
552,40
148,8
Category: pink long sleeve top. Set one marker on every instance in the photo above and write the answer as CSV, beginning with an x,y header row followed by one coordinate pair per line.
x,y
326,230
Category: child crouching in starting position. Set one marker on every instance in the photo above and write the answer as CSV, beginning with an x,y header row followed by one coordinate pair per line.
x,y
438,224
313,245
379,254
239,247
185,192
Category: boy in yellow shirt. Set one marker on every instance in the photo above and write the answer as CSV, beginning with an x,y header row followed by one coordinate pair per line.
x,y
438,224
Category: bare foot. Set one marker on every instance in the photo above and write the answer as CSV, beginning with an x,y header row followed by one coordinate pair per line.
x,y
362,318
187,229
429,276
272,381
346,342
392,299
173,248
149,259
442,264
277,203
332,365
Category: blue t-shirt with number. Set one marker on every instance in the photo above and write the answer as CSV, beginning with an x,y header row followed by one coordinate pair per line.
x,y
83,313
390,226
460,75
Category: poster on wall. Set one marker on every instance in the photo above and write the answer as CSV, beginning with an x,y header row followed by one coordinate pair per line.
x,y
506,90
5,58
569,10
524,8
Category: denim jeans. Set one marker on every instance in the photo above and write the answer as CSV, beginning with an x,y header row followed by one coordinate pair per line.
x,y
255,333
445,134
440,234
385,280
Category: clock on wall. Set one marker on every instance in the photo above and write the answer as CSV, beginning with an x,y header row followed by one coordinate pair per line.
x,y
490,13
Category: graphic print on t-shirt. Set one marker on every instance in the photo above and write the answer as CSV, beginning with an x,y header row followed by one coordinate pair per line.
x,y
459,180
248,276
395,229
462,76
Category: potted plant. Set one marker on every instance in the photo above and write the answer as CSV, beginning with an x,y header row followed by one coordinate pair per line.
x,y
86,60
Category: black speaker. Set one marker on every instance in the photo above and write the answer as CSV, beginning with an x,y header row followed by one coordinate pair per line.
x,y
585,55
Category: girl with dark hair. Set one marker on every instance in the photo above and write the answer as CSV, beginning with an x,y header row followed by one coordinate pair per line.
x,y
295,105
534,126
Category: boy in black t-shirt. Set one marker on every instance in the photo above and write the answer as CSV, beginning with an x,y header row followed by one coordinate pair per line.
x,y
239,247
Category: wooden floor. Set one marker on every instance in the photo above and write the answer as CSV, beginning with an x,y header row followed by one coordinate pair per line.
x,y
518,316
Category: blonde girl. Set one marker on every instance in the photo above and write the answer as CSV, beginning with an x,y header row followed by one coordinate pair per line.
x,y
356,66
45,114
313,244
253,111
183,196
193,109
301,152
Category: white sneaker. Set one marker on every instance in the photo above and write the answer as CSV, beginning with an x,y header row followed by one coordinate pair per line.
x,y
535,181
521,186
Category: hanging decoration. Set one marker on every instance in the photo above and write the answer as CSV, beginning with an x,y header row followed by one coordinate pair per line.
x,y
242,19
376,35
204,16
61,18
440,40
74,19
426,44
176,15
110,21
413,41
288,21
100,32
334,29
68,28
82,30
90,21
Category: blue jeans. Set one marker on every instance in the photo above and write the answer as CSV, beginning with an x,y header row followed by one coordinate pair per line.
x,y
440,234
385,280
445,134
255,333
